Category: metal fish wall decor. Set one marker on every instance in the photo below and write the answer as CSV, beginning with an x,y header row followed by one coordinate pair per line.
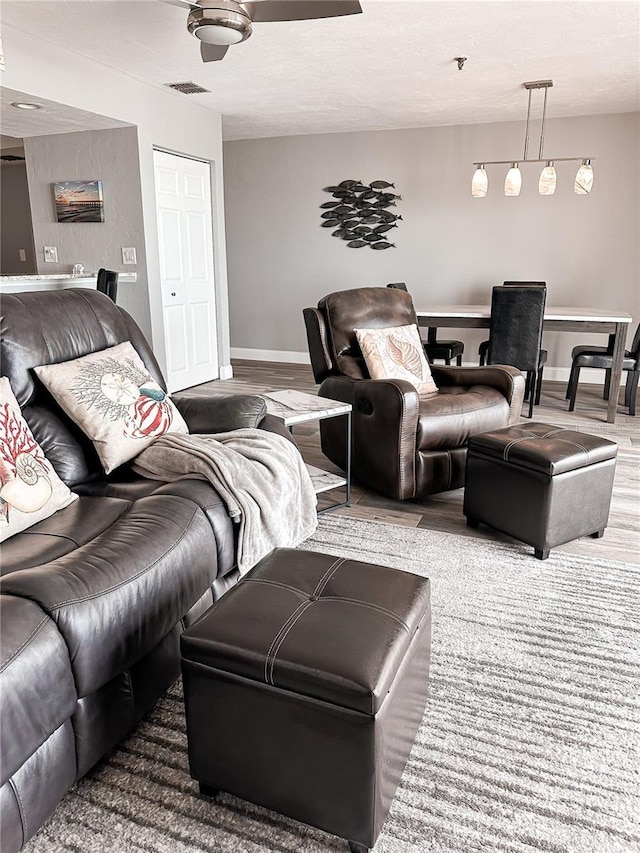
x,y
356,208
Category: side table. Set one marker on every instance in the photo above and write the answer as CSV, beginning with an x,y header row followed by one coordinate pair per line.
x,y
296,407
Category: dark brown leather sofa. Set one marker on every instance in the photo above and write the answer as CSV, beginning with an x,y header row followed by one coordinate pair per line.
x,y
404,445
93,600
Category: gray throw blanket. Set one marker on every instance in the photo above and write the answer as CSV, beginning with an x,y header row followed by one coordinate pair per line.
x,y
260,476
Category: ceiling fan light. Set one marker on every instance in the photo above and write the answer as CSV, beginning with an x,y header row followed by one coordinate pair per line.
x,y
215,34
513,181
547,182
584,178
228,24
479,182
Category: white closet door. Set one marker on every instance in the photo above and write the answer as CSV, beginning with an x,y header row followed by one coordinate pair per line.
x,y
185,238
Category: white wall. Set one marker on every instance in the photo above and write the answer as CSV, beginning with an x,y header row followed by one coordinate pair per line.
x,y
110,156
15,216
450,248
164,119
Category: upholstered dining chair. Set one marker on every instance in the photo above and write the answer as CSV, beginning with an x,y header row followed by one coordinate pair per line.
x,y
107,283
437,349
483,349
602,357
405,445
515,333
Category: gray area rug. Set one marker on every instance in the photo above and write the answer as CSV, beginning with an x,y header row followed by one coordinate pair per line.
x,y
531,741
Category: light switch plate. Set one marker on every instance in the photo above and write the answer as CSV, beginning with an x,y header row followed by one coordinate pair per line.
x,y
22,254
50,254
129,256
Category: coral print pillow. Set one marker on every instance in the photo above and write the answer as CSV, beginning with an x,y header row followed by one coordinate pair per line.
x,y
396,353
114,400
30,490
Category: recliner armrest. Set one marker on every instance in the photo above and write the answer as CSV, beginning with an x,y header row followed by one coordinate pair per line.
x,y
385,424
504,378
213,413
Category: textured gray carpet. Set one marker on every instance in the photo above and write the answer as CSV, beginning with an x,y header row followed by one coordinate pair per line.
x,y
531,741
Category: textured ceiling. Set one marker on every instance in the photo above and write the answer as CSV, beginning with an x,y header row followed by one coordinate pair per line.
x,y
390,67
52,118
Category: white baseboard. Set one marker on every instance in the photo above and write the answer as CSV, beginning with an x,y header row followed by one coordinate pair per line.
x,y
226,371
555,374
281,355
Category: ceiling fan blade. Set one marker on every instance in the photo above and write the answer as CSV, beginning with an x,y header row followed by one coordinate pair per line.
x,y
181,4
300,10
213,52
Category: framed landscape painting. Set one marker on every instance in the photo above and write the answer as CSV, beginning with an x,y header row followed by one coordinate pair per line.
x,y
79,201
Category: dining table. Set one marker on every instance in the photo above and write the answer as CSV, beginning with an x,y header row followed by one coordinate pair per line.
x,y
556,319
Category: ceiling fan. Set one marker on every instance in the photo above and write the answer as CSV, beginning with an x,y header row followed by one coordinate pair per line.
x,y
221,23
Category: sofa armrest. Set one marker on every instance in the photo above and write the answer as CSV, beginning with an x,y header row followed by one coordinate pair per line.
x,y
384,425
504,378
213,413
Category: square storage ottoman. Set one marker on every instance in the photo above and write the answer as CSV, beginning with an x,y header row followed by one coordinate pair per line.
x,y
540,483
304,688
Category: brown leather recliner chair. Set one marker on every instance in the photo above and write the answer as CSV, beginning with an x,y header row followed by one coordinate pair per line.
x,y
404,445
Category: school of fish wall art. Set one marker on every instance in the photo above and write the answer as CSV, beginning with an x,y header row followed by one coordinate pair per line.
x,y
360,213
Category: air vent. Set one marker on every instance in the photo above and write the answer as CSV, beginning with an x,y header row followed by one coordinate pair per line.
x,y
188,88
10,157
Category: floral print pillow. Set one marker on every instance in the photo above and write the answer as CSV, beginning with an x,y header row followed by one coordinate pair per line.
x,y
30,490
113,398
396,353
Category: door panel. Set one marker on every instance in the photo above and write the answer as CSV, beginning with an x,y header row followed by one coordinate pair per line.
x,y
185,234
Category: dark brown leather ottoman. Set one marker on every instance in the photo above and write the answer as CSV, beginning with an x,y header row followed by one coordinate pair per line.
x,y
304,688
540,483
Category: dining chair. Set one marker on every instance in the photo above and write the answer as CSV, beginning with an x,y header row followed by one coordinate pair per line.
x,y
602,358
107,283
515,333
435,349
484,346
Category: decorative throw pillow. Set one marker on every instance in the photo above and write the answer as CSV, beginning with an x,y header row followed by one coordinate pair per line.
x,y
30,490
114,400
396,353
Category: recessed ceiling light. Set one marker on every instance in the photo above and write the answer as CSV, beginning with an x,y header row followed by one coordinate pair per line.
x,y
23,105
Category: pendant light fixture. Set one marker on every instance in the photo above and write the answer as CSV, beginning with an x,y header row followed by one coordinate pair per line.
x,y
479,182
548,178
584,178
513,181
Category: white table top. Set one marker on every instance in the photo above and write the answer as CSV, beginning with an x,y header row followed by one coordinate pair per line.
x,y
483,312
296,407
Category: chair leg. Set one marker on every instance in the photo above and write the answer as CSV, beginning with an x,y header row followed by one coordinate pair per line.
x,y
573,387
532,393
459,360
447,360
572,375
482,359
527,386
631,390
539,386
607,385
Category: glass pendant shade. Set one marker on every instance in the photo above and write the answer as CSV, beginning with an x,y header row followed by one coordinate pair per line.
x,y
584,178
513,181
547,183
479,182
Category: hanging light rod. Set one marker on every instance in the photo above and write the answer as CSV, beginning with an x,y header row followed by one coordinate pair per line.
x,y
542,160
547,182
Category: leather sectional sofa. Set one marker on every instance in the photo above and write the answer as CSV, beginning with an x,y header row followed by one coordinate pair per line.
x,y
94,599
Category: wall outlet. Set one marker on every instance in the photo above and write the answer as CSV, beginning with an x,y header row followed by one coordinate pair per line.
x,y
50,254
129,256
22,254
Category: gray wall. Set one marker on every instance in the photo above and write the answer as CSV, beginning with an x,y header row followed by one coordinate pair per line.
x,y
450,248
112,157
15,220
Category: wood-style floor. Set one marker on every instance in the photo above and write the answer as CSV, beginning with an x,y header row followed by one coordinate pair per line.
x,y
444,512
